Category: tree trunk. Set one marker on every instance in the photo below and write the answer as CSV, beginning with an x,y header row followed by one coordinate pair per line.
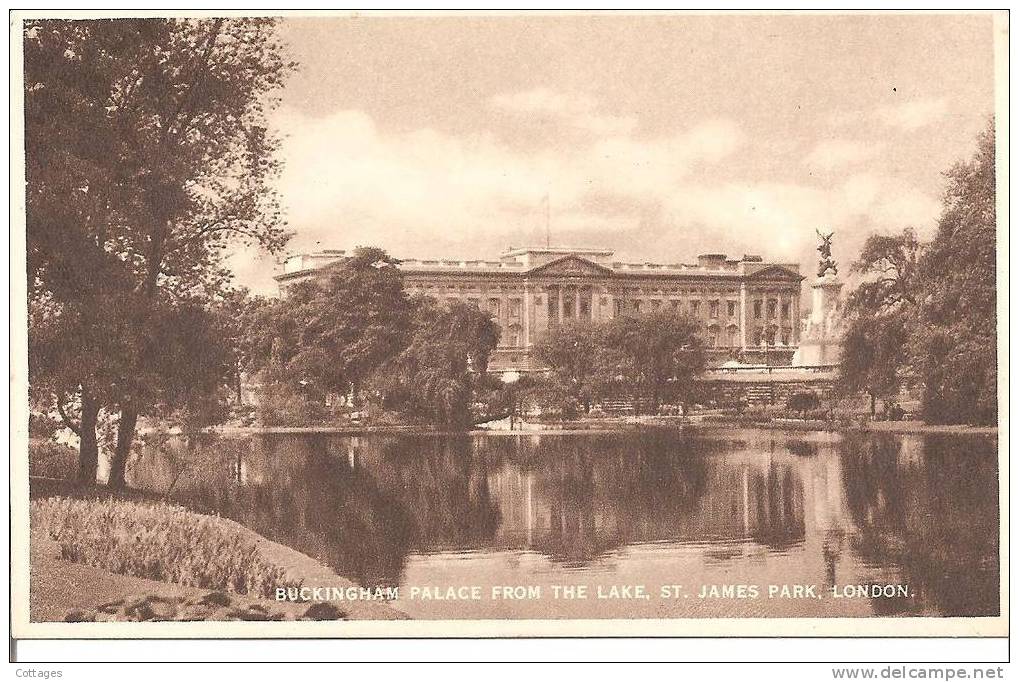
x,y
88,447
125,436
160,203
238,387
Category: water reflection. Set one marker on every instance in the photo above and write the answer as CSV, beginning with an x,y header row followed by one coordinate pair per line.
x,y
928,509
706,506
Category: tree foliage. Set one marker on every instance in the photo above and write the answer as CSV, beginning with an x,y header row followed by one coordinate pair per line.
x,y
652,358
335,332
927,313
890,264
803,401
657,355
954,341
569,351
148,155
445,360
874,355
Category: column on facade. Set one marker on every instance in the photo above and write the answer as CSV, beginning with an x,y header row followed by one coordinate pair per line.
x,y
525,313
796,317
538,312
787,321
504,314
559,308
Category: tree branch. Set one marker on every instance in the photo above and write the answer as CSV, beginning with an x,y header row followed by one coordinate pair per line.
x,y
198,76
68,422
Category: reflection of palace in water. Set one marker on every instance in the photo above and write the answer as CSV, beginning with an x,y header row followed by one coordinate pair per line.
x,y
742,498
846,508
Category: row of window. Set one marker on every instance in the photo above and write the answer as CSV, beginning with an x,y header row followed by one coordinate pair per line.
x,y
772,309
623,306
771,336
714,308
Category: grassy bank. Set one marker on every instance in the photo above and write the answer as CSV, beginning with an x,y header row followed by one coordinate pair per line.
x,y
157,541
103,567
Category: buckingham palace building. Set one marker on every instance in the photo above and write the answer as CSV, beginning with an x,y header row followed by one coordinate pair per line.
x,y
749,309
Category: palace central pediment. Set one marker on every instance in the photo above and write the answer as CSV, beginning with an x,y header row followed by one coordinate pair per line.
x,y
570,266
777,272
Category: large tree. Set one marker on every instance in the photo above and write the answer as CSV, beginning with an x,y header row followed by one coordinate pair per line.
x,y
879,314
176,152
927,313
874,356
77,211
345,325
570,352
954,343
658,355
436,375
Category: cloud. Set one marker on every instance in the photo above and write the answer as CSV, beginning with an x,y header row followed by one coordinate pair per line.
x,y
578,111
778,219
430,193
907,116
913,115
342,172
830,155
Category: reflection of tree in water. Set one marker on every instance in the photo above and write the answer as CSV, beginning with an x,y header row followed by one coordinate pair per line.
x,y
301,493
598,493
369,502
759,498
802,448
934,514
442,485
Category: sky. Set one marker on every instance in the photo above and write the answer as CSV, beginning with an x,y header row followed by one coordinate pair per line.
x,y
660,137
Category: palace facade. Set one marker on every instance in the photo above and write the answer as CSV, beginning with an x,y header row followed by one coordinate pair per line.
x,y
749,309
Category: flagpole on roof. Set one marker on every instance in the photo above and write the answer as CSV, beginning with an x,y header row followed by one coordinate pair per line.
x,y
548,221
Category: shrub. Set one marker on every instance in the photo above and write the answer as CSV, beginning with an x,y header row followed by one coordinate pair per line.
x,y
50,459
159,542
802,401
42,425
283,405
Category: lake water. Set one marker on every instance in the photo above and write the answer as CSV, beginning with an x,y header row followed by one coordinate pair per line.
x,y
673,511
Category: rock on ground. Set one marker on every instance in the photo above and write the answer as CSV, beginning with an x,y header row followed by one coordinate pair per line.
x,y
212,606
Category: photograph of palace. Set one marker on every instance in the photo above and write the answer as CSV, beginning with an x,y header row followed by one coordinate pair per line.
x,y
551,321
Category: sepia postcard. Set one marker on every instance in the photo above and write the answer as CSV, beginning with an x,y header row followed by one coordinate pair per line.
x,y
509,324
